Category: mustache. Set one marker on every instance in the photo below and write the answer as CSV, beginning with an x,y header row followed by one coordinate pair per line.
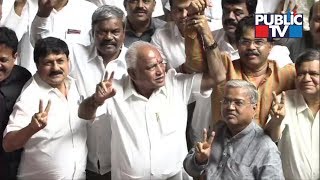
x,y
230,22
249,53
105,43
140,10
53,73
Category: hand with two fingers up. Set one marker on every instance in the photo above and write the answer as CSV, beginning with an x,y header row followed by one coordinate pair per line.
x,y
278,110
39,119
203,149
104,90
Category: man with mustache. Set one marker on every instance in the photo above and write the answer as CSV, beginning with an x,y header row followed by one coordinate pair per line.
x,y
239,148
44,120
147,111
294,122
90,63
255,67
140,24
233,12
12,80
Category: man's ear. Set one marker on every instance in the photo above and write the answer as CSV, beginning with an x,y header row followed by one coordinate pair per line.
x,y
131,73
15,56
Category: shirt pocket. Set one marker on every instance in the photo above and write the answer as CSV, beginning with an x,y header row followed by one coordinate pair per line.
x,y
166,122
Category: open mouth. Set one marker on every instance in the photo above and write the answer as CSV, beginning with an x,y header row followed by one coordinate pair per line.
x,y
160,79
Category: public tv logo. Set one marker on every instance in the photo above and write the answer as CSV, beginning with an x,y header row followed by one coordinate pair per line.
x,y
288,25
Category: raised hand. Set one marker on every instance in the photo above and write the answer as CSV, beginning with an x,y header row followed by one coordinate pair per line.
x,y
278,110
203,149
283,6
198,6
199,22
39,120
45,7
104,90
19,5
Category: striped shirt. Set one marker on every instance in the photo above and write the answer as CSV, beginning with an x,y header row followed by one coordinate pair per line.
x,y
277,79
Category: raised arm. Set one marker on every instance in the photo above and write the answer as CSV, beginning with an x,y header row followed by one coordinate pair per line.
x,y
17,139
216,71
40,27
89,106
277,113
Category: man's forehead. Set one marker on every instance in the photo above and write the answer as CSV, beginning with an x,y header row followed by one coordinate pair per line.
x,y
180,4
234,6
55,55
235,91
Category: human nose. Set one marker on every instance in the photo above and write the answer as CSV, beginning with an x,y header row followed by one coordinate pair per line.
x,y
252,45
159,68
55,66
307,77
108,35
231,15
183,13
230,105
140,3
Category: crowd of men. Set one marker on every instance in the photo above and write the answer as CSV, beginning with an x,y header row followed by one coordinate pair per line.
x,y
102,90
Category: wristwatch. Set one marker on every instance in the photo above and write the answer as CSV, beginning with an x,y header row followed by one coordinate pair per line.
x,y
212,46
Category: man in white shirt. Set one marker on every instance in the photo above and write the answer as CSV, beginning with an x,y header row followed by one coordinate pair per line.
x,y
148,112
68,20
53,138
295,120
90,63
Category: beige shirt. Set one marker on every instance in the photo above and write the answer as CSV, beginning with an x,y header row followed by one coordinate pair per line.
x,y
299,144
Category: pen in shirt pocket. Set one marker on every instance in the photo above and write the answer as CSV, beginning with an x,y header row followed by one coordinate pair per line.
x,y
158,117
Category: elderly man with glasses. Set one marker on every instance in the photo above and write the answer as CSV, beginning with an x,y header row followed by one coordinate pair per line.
x,y
238,149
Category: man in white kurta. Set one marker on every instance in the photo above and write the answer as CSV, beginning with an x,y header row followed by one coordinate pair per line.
x,y
88,70
148,135
59,150
148,114
54,142
295,121
299,144
90,64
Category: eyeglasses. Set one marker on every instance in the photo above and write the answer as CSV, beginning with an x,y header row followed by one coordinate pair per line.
x,y
137,1
256,42
235,103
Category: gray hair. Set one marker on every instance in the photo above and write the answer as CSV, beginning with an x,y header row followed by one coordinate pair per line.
x,y
105,12
252,91
307,55
132,53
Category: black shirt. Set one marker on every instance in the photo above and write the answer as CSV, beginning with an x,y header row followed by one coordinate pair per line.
x,y
10,90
